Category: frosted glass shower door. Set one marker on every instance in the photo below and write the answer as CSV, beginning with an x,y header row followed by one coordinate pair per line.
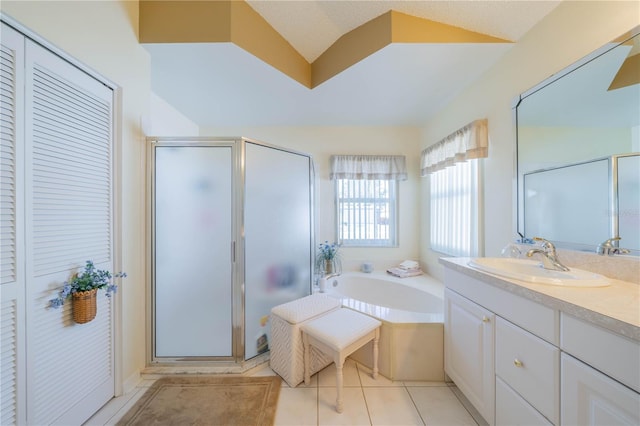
x,y
277,225
192,263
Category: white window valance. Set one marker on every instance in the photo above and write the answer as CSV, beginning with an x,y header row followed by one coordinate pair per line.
x,y
368,167
471,141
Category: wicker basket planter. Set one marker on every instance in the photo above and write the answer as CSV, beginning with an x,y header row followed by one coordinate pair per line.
x,y
84,305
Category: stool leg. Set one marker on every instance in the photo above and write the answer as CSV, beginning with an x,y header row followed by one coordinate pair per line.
x,y
339,383
307,359
375,353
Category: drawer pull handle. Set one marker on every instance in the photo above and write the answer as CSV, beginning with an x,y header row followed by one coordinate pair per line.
x,y
517,362
485,318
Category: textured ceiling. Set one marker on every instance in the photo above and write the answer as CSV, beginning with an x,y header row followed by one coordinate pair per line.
x,y
311,26
221,85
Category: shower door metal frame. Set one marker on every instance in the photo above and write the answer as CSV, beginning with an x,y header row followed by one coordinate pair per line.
x,y
153,143
237,145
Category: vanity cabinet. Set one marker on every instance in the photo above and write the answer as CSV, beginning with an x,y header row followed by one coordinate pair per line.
x,y
548,367
469,351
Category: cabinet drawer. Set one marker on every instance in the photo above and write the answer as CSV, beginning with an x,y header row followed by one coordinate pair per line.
x,y
610,353
530,366
512,410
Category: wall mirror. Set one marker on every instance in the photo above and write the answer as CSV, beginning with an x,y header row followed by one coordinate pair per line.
x,y
578,151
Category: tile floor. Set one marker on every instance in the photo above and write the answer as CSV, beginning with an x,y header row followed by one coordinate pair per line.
x,y
366,401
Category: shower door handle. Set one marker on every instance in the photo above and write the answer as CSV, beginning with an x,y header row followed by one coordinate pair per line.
x,y
233,252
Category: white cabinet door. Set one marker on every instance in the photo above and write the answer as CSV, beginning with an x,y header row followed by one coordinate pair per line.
x,y
592,398
469,351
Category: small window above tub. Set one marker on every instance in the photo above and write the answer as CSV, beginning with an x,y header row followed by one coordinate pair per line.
x,y
366,188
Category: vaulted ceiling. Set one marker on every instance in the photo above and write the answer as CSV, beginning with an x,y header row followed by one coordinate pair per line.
x,y
293,63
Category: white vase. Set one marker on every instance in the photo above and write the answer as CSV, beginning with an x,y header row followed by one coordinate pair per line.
x,y
322,285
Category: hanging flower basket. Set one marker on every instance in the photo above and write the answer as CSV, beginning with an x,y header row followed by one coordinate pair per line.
x,y
84,305
83,288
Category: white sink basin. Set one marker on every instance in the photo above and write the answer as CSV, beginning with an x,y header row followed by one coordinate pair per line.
x,y
533,272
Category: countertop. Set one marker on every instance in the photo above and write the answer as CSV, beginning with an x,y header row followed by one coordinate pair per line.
x,y
616,307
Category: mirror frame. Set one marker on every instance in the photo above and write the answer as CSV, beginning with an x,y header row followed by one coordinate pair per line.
x,y
518,182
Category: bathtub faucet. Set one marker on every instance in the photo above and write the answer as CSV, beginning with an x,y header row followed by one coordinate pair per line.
x,y
549,256
331,275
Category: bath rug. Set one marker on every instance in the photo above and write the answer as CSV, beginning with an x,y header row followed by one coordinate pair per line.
x,y
207,400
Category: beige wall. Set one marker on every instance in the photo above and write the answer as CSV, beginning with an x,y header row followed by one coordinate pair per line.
x,y
568,33
321,143
103,36
164,119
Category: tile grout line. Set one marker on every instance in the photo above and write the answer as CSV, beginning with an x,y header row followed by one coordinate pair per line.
x,y
364,397
464,405
414,404
318,398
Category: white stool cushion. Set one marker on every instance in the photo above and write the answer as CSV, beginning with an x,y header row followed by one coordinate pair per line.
x,y
338,329
300,310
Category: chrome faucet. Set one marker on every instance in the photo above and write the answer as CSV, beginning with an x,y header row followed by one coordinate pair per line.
x,y
549,256
608,249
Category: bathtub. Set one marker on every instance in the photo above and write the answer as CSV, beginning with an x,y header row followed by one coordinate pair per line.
x,y
412,314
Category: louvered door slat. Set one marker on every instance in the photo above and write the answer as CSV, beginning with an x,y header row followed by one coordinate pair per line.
x,y
53,105
53,159
69,94
70,137
8,165
8,361
69,222
76,94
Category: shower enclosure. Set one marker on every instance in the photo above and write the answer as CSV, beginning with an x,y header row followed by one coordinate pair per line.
x,y
231,237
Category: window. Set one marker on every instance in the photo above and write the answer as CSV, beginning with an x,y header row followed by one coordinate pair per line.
x,y
453,167
366,212
366,198
454,209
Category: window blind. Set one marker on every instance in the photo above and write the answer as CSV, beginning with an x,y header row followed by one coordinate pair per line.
x,y
454,210
366,212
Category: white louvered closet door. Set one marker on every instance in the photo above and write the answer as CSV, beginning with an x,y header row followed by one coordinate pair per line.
x,y
12,310
68,149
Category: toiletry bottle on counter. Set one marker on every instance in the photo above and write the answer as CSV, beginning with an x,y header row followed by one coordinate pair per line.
x,y
262,342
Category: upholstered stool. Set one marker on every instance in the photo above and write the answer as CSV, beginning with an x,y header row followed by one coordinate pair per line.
x,y
339,334
287,351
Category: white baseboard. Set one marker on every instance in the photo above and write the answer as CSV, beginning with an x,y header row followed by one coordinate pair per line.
x,y
131,382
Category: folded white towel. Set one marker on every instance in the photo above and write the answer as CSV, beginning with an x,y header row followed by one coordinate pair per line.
x,y
404,273
409,264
